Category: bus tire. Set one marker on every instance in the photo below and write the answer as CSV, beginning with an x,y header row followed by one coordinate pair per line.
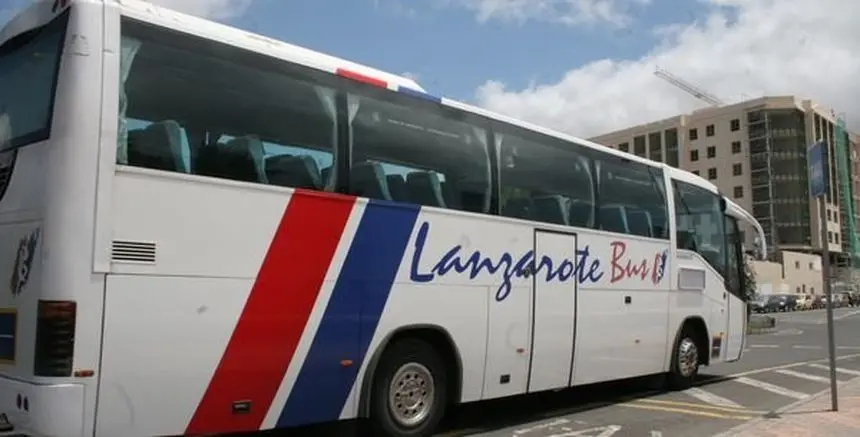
x,y
685,360
409,392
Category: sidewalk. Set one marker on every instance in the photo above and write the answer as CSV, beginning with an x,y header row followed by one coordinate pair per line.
x,y
811,417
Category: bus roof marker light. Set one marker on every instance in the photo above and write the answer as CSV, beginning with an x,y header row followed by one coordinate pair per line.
x,y
358,77
419,94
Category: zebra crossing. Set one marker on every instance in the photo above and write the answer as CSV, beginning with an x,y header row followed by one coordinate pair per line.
x,y
784,383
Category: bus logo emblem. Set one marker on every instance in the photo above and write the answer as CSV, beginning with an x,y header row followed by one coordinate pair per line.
x,y
23,263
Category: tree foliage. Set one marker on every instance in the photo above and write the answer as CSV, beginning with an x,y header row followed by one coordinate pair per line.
x,y
749,279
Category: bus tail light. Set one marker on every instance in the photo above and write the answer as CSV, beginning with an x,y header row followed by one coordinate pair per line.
x,y
55,338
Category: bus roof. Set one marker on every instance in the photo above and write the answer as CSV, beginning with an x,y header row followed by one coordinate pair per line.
x,y
251,41
40,12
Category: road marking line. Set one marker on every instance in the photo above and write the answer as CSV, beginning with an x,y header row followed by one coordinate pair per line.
x,y
696,405
784,366
643,406
710,398
764,346
605,431
805,347
848,347
815,378
838,369
541,426
772,388
849,314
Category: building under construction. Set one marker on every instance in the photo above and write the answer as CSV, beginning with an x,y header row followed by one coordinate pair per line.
x,y
755,151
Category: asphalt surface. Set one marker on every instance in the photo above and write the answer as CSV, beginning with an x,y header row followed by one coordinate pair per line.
x,y
776,370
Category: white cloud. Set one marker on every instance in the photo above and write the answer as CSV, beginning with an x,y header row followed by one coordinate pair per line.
x,y
215,9
745,48
568,12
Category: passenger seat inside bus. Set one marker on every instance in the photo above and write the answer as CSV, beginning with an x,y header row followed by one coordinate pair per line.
x,y
612,219
397,188
240,159
368,180
425,189
158,146
639,222
518,207
580,213
551,209
294,171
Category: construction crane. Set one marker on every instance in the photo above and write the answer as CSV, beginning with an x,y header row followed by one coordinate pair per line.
x,y
688,87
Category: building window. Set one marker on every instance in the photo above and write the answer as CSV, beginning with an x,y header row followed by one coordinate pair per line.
x,y
624,147
830,236
735,125
694,155
829,215
836,237
736,147
737,169
811,266
696,172
739,192
712,173
709,130
712,151
694,134
639,145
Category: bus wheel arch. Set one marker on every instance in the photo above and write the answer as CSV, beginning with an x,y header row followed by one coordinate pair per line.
x,y
690,339
438,338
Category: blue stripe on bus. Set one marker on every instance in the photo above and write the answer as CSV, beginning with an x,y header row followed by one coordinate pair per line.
x,y
352,314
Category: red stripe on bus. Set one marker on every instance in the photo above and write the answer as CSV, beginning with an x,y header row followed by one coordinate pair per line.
x,y
275,315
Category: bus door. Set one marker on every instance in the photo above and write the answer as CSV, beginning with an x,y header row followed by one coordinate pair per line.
x,y
553,311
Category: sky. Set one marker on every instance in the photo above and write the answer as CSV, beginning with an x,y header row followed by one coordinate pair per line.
x,y
585,67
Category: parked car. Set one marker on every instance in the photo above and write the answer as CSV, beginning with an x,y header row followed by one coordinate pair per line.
x,y
780,303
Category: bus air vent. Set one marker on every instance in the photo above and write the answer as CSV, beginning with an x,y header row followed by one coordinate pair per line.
x,y
127,251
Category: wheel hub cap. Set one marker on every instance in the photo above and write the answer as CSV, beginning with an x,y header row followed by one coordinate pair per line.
x,y
688,357
411,394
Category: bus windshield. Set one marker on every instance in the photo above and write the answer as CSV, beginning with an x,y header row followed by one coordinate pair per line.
x,y
28,75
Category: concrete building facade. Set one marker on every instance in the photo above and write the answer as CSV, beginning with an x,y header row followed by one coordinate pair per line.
x,y
755,151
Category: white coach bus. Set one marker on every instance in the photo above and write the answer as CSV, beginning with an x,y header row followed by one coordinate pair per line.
x,y
206,231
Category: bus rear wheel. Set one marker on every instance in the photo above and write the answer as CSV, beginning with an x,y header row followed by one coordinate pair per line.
x,y
409,393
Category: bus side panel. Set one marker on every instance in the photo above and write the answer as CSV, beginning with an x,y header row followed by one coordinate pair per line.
x,y
163,338
699,295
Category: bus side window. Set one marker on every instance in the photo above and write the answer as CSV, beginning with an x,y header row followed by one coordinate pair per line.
x,y
417,152
544,179
698,217
265,121
632,199
734,270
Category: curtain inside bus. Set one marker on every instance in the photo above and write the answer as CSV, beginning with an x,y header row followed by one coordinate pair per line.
x,y
128,51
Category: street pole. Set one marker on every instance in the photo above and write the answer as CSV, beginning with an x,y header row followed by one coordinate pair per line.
x,y
825,273
818,185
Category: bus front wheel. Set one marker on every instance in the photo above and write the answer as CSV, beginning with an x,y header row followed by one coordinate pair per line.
x,y
685,360
409,392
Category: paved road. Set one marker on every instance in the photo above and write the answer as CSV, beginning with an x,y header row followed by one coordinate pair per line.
x,y
776,370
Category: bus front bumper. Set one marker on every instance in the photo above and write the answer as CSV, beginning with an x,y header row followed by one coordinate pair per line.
x,y
29,409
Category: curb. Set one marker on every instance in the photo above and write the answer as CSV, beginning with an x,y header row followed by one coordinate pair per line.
x,y
779,411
